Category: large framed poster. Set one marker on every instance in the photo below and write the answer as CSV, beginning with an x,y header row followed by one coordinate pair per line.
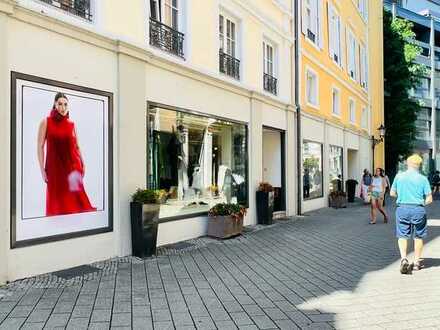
x,y
61,160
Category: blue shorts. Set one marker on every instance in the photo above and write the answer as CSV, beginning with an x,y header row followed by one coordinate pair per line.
x,y
411,221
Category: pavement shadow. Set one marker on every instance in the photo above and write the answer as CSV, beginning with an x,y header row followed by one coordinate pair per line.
x,y
431,262
370,260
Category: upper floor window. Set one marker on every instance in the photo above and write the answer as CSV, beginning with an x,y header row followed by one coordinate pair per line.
x,y
79,8
334,27
336,102
269,80
352,111
164,26
352,56
165,11
229,64
312,88
312,21
363,8
364,67
364,118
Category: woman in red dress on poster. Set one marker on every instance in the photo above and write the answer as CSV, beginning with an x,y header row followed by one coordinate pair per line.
x,y
63,171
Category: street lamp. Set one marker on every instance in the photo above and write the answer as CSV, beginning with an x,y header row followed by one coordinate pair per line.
x,y
376,141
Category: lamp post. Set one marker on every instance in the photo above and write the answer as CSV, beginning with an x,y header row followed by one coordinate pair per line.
x,y
376,141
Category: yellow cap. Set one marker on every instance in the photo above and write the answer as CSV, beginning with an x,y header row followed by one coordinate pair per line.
x,y
415,159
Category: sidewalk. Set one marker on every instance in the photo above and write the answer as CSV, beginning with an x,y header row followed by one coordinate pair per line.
x,y
326,270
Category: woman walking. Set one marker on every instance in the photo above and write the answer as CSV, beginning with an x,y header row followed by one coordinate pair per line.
x,y
377,189
387,185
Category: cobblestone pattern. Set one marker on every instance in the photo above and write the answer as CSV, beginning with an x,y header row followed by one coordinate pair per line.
x,y
326,270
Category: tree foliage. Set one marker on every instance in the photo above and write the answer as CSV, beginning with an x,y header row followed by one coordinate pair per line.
x,y
401,74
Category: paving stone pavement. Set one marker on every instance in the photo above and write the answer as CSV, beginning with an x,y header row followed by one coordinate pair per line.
x,y
328,269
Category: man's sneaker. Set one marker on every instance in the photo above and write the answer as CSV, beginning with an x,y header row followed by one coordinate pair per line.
x,y
404,266
418,265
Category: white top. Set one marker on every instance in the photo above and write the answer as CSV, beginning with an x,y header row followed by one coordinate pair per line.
x,y
377,184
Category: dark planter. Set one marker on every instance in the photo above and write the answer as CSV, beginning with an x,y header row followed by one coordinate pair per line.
x,y
351,189
265,204
338,202
144,222
224,226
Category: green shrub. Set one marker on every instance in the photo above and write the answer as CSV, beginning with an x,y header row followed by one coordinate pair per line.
x,y
145,196
224,209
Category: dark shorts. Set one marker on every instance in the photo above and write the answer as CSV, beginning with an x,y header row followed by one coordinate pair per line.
x,y
411,221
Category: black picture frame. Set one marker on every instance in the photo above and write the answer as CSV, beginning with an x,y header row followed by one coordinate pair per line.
x,y
13,161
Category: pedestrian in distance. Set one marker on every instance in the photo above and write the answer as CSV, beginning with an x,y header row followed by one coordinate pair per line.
x,y
387,185
436,182
413,193
377,191
366,182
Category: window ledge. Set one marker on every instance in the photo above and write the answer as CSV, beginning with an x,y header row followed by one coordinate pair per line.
x,y
57,13
313,44
336,115
314,106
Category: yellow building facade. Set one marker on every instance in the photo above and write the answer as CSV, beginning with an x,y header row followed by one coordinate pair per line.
x,y
341,93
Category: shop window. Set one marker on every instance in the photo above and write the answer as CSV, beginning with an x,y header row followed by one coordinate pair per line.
x,y
312,170
336,177
195,161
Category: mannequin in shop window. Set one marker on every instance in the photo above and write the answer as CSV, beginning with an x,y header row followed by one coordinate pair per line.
x,y
182,161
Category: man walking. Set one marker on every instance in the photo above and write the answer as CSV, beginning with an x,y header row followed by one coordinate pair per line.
x,y
413,192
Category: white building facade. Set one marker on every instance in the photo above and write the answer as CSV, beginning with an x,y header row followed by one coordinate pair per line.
x,y
192,99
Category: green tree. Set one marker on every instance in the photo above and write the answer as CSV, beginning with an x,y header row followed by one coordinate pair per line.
x,y
401,73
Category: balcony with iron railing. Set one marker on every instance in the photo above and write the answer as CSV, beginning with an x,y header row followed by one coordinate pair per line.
x,y
270,83
229,65
80,8
166,38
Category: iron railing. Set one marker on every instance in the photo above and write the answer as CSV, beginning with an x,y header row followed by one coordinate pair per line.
x,y
229,65
166,38
79,8
270,83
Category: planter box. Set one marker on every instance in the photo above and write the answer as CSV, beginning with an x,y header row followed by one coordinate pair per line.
x,y
265,204
144,222
224,226
338,202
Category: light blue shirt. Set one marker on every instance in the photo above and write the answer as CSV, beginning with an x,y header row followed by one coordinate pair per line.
x,y
411,187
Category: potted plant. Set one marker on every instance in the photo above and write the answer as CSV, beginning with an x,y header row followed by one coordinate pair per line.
x,y
338,199
144,214
226,220
265,203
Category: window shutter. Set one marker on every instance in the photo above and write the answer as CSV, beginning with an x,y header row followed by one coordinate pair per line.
x,y
303,17
358,62
342,44
330,30
320,27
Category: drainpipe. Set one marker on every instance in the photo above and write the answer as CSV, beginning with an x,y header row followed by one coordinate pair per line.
x,y
433,97
297,107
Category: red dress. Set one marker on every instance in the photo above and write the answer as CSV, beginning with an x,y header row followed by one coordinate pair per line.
x,y
64,169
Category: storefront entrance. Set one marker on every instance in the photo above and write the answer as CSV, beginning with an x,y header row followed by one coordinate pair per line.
x,y
274,166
